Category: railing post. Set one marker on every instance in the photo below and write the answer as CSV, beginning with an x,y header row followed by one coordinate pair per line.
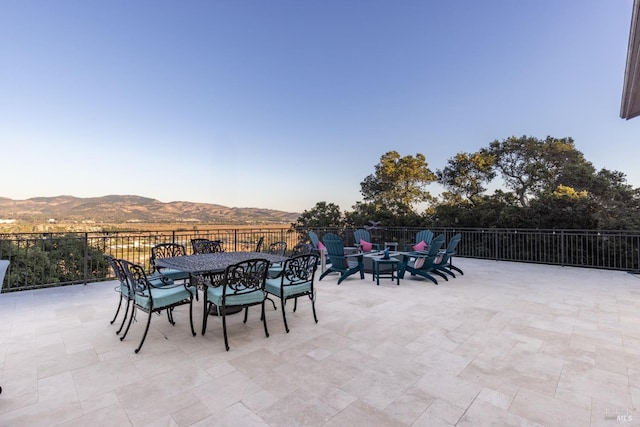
x,y
86,256
562,251
235,240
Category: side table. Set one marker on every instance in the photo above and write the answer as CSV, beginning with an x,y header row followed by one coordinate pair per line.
x,y
391,274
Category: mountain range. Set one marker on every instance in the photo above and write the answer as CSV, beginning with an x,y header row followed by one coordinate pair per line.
x,y
134,209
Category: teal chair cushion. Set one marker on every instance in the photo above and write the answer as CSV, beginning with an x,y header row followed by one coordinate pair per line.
x,y
273,287
275,270
164,297
214,295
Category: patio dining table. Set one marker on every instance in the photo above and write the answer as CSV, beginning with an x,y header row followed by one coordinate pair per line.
x,y
213,264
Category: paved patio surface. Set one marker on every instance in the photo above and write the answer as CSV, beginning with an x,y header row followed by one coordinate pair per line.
x,y
504,344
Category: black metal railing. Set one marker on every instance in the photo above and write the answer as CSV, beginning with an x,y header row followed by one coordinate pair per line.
x,y
53,259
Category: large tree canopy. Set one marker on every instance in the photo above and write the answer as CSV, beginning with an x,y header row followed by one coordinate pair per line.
x,y
323,214
531,167
466,175
398,180
544,183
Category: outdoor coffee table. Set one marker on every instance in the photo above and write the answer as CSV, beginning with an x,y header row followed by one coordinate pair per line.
x,y
391,274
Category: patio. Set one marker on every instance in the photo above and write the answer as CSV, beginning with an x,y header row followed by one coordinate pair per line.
x,y
507,343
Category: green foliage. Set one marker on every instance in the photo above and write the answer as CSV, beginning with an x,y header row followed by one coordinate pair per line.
x,y
547,184
322,215
530,166
389,215
466,175
51,260
398,181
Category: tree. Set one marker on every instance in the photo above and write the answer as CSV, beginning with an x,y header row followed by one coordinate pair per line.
x,y
530,166
399,180
323,214
389,215
466,175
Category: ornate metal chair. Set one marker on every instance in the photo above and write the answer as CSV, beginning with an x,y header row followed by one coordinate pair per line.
x,y
301,248
242,287
296,280
124,290
277,248
167,250
340,263
151,298
259,244
205,246
421,263
275,269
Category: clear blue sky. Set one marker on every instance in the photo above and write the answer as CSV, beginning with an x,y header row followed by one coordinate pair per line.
x,y
281,104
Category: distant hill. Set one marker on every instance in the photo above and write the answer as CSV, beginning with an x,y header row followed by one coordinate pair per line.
x,y
133,209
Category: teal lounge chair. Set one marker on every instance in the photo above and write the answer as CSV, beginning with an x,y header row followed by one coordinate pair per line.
x,y
444,263
422,263
340,263
362,234
421,236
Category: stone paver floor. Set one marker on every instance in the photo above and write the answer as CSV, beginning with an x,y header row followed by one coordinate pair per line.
x,y
504,344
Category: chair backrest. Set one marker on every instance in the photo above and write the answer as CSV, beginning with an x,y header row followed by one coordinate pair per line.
x,y
424,236
314,239
259,244
299,269
301,248
451,249
4,264
244,277
135,275
436,245
166,250
453,243
205,246
277,248
118,269
335,251
361,234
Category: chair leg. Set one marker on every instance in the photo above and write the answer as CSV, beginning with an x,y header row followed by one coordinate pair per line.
x,y
170,316
118,309
205,313
133,315
274,304
455,268
428,276
284,315
313,306
444,269
327,271
224,328
193,331
145,332
264,321
295,304
124,319
441,274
